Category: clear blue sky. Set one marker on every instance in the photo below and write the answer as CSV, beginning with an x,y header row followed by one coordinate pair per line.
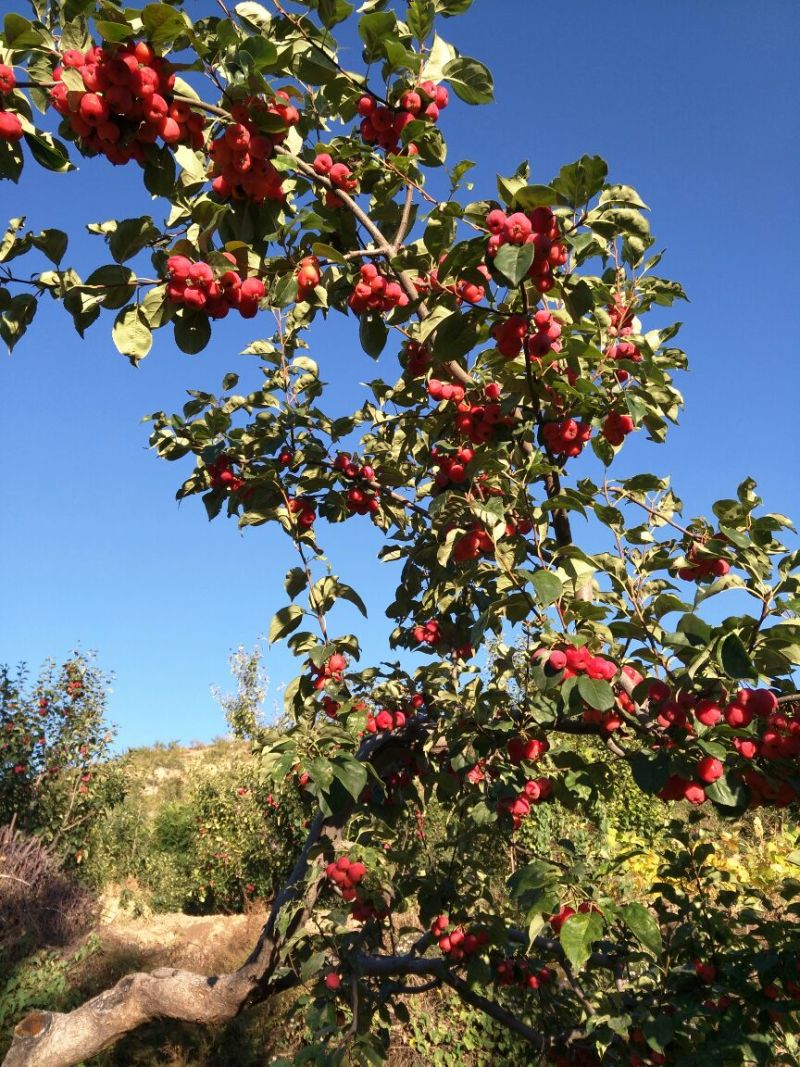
x,y
691,103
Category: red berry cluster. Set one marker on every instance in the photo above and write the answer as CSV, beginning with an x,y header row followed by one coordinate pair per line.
x,y
382,126
703,566
566,437
445,390
417,359
451,469
241,153
533,792
526,749
361,500
308,277
385,720
222,476
304,511
465,291
522,972
375,293
340,175
346,876
621,316
514,333
10,125
459,944
517,526
475,543
539,228
428,633
480,421
127,102
331,671
574,660
616,427
195,285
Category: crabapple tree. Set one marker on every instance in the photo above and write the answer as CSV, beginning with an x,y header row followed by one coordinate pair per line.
x,y
518,354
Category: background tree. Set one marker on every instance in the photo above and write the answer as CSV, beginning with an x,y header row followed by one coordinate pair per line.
x,y
300,187
54,746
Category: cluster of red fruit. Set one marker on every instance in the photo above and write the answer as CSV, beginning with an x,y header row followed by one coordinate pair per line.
x,y
566,437
430,634
480,421
382,126
340,176
375,293
417,359
703,566
241,153
564,913
616,427
194,284
445,390
522,972
385,720
361,500
222,476
513,333
621,316
528,750
10,125
574,660
127,102
538,228
465,291
330,671
533,792
308,277
459,944
346,875
451,469
304,511
475,543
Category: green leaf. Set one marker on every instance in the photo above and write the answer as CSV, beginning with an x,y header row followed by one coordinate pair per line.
x,y
17,315
295,582
728,792
53,243
372,333
578,934
734,659
420,18
49,152
346,592
547,586
163,24
376,28
578,182
131,334
192,332
261,53
352,774
532,196
116,286
643,926
650,772
470,79
596,692
514,262
284,621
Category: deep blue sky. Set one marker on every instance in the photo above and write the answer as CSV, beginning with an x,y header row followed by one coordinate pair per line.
x,y
691,103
